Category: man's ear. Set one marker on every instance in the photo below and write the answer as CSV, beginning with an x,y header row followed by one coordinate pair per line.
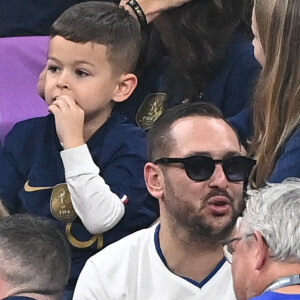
x,y
154,179
262,253
126,85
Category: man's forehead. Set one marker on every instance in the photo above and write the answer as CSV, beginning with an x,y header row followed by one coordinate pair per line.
x,y
204,134
206,121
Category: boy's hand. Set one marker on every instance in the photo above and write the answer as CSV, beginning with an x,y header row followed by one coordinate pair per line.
x,y
69,121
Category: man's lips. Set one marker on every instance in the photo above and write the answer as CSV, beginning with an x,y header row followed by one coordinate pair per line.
x,y
219,200
219,205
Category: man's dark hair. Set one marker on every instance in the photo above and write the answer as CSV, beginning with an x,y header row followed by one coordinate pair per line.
x,y
106,24
159,136
34,255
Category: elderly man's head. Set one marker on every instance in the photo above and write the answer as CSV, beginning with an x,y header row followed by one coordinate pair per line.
x,y
267,242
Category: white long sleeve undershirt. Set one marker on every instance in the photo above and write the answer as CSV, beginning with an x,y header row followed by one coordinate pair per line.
x,y
97,206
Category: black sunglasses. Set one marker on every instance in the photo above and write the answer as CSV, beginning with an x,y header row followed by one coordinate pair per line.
x,y
201,167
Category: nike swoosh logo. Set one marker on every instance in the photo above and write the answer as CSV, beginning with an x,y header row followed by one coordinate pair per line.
x,y
29,188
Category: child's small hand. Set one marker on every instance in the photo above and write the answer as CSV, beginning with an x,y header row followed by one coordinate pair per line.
x,y
69,121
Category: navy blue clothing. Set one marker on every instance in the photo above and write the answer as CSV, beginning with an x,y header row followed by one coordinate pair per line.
x,y
32,17
243,124
230,89
151,81
276,296
288,163
31,152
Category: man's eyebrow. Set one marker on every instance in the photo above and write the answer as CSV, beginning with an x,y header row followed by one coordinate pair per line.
x,y
232,153
195,153
207,153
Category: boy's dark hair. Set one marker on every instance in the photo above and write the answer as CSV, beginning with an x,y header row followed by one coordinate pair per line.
x,y
106,24
159,138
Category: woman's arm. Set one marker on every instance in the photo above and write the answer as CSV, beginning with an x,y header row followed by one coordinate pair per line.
x,y
288,163
152,8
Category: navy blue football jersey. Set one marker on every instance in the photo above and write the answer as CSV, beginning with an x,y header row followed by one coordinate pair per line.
x,y
32,180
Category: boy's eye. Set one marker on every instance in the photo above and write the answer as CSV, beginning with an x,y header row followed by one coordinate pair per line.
x,y
53,69
81,73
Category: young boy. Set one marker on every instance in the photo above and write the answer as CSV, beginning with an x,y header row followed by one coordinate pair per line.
x,y
49,166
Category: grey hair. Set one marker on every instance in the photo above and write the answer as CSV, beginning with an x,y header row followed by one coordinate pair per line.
x,y
274,211
34,255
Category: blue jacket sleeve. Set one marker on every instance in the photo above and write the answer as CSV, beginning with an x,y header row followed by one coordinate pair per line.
x,y
288,164
242,122
238,91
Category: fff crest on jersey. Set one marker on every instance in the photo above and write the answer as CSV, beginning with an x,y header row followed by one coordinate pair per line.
x,y
61,205
151,108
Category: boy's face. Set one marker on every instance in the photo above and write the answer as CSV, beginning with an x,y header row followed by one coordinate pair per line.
x,y
82,72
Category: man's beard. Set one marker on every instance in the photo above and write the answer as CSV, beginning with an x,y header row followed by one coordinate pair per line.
x,y
199,225
203,230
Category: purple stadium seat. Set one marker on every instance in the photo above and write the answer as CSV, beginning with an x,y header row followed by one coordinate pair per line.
x,y
21,61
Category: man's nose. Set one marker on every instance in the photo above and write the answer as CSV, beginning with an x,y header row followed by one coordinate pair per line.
x,y
218,178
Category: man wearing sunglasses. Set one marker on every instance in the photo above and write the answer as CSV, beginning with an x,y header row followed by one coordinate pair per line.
x,y
265,253
197,172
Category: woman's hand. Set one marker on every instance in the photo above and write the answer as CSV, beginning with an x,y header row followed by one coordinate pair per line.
x,y
152,8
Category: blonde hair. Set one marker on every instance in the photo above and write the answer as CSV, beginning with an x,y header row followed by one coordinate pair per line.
x,y
276,108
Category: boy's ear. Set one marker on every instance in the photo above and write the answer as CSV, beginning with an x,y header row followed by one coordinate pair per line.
x,y
125,87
